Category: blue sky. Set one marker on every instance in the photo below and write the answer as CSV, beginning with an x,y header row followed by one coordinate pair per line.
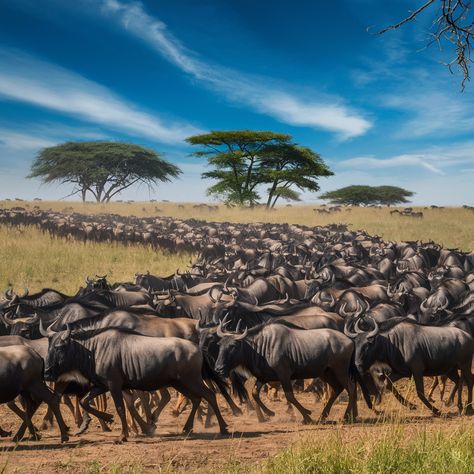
x,y
380,110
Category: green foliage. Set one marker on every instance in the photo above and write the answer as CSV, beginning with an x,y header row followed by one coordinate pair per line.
x,y
102,168
357,195
244,160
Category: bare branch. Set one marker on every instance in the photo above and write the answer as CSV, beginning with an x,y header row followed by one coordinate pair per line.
x,y
451,27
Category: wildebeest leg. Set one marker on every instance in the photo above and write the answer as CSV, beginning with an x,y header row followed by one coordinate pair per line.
x,y
72,408
454,376
259,404
31,407
180,404
468,378
198,389
290,397
420,391
202,391
442,389
208,422
86,405
432,389
336,388
398,396
147,429
39,390
236,411
188,427
165,398
117,396
145,403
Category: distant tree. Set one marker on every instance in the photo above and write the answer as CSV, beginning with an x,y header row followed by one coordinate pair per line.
x,y
357,195
452,25
244,160
104,169
286,165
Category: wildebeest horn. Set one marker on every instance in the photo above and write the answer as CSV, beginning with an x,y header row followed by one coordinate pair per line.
x,y
445,304
214,300
342,310
347,331
390,292
376,329
9,294
332,299
239,322
360,309
225,289
357,329
67,334
239,337
26,320
7,320
45,332
423,306
89,280
220,327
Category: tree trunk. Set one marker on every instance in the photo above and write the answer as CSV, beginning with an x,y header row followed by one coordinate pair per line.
x,y
83,194
270,194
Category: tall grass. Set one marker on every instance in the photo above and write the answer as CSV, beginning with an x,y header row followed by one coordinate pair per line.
x,y
29,258
395,452
451,227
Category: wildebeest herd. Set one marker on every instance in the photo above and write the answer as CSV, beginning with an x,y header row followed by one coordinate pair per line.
x,y
262,304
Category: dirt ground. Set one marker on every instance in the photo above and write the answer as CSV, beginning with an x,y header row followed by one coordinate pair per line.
x,y
250,442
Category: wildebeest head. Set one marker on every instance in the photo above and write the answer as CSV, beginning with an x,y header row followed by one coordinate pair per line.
x,y
231,346
10,298
322,280
22,324
365,344
58,360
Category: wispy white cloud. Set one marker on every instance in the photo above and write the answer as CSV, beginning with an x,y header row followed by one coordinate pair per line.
x,y
393,162
15,140
437,159
27,79
262,94
432,111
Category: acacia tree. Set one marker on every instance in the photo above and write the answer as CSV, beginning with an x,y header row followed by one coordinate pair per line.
x,y
104,169
245,160
452,25
286,165
357,195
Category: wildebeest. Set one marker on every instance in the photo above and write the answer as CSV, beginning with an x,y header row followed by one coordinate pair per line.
x,y
114,360
276,352
413,350
21,373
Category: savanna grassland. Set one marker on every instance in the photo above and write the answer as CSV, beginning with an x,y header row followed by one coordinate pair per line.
x,y
405,442
451,227
33,259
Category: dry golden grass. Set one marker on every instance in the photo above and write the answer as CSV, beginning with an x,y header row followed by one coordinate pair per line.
x,y
451,227
29,258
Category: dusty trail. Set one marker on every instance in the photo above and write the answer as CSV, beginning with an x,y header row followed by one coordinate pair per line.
x,y
250,441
